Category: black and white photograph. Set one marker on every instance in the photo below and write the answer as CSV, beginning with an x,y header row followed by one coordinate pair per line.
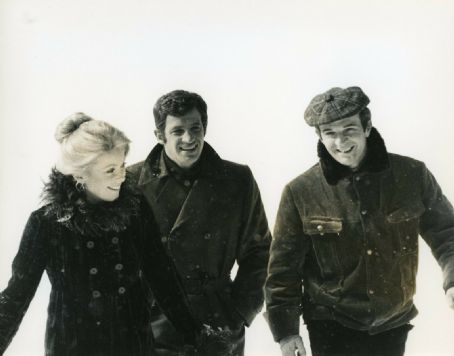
x,y
257,178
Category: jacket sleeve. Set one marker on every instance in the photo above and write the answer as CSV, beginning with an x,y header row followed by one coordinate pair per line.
x,y
437,227
162,277
252,256
283,289
27,269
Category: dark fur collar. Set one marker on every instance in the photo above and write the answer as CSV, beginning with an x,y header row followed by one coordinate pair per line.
x,y
376,159
70,207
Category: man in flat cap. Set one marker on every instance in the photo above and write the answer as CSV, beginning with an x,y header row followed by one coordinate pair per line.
x,y
345,247
210,215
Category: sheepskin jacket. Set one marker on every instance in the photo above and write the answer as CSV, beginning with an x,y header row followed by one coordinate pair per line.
x,y
349,239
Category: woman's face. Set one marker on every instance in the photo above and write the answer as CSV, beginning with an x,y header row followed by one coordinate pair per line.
x,y
103,178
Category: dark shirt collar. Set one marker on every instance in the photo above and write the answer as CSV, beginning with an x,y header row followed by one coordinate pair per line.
x,y
211,165
181,173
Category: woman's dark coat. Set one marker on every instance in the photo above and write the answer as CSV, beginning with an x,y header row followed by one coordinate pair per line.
x,y
96,257
351,239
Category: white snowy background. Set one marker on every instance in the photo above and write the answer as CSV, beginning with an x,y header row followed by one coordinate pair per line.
x,y
257,64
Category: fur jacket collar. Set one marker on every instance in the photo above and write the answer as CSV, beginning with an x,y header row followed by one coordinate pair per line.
x,y
69,207
376,159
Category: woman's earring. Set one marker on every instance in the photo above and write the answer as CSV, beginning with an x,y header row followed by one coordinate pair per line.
x,y
80,186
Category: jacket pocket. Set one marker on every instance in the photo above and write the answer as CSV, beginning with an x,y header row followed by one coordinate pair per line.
x,y
404,225
322,225
408,211
325,234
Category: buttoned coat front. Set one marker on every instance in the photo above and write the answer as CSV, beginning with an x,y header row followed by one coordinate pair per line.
x,y
222,221
101,260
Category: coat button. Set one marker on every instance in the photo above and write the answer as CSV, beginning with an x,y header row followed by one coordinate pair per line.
x,y
319,227
371,291
93,270
115,240
98,323
121,290
363,212
164,239
207,236
90,244
118,266
96,294
369,252
357,178
187,183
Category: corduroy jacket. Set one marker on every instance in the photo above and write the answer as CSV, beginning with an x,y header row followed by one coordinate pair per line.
x,y
345,243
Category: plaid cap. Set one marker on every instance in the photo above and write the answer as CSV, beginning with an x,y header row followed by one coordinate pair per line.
x,y
335,104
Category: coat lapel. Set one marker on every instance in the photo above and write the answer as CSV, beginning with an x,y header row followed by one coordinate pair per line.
x,y
173,208
198,203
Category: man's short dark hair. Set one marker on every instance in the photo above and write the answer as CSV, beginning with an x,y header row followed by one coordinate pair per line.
x,y
178,103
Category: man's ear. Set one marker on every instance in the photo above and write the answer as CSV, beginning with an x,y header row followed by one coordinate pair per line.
x,y
368,128
160,136
317,131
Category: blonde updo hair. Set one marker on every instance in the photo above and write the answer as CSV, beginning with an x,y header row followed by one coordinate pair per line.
x,y
82,139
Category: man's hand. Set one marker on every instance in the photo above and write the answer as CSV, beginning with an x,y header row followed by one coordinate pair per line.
x,y
290,344
450,297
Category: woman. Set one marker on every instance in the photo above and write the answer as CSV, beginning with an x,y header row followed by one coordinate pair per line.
x,y
99,247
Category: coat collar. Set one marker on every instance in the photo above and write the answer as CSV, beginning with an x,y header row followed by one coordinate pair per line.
x,y
376,159
155,168
70,207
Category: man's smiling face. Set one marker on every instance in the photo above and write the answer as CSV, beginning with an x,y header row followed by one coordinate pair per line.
x,y
345,140
183,138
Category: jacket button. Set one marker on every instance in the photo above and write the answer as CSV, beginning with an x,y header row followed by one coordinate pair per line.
x,y
96,294
164,239
93,270
121,290
90,244
369,252
371,291
357,178
207,236
118,266
187,183
363,212
115,240
319,227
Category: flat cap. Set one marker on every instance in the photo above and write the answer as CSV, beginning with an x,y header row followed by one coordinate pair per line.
x,y
335,104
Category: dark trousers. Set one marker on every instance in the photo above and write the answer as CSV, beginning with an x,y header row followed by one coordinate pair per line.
x,y
329,338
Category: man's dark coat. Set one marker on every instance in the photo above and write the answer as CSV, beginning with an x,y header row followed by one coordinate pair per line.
x,y
221,221
351,240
